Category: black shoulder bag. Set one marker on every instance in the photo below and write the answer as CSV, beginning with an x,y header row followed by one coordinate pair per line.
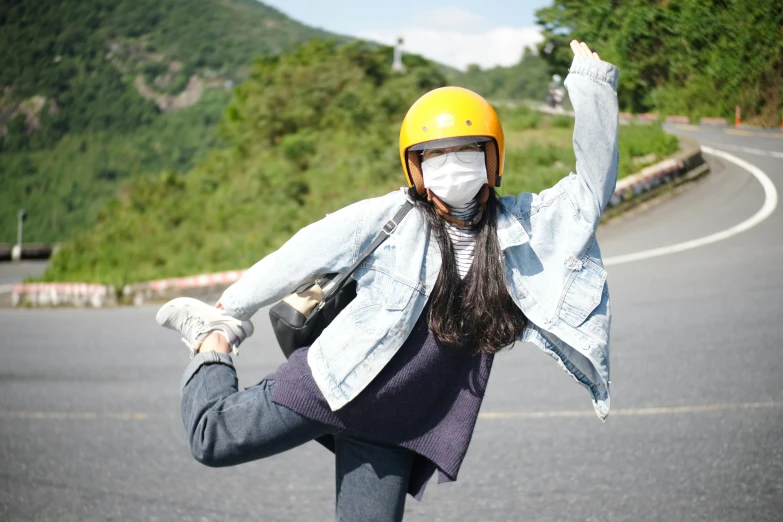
x,y
299,318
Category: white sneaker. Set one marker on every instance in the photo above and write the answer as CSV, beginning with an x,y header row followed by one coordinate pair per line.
x,y
195,320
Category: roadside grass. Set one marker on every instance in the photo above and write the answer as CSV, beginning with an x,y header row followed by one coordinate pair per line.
x,y
539,151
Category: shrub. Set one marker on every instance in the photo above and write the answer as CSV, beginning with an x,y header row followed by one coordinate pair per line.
x,y
518,117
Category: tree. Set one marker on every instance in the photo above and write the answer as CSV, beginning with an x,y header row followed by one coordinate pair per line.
x,y
525,80
682,56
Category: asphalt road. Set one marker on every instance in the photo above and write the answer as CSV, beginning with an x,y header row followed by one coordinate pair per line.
x,y
16,272
89,424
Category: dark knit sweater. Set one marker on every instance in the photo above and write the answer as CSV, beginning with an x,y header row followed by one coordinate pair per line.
x,y
426,399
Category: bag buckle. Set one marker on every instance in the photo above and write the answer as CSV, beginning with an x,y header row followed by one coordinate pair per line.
x,y
389,227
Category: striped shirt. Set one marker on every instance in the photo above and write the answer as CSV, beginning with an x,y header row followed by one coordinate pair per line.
x,y
463,240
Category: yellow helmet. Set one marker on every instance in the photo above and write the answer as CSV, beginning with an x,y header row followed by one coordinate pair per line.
x,y
446,117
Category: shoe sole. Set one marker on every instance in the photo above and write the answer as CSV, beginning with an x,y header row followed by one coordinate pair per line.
x,y
212,314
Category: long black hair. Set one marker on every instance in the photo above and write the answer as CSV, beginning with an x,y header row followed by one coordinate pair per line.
x,y
478,311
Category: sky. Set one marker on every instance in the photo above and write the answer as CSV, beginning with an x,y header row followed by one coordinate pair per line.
x,y
455,33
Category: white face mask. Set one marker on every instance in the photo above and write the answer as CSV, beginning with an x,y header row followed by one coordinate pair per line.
x,y
456,182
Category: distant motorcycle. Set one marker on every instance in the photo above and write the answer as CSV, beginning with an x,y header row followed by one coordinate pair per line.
x,y
556,95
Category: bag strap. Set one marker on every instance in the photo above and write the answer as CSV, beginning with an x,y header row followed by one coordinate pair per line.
x,y
384,234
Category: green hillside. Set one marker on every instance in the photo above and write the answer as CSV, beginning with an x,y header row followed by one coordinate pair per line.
x,y
309,132
95,92
161,147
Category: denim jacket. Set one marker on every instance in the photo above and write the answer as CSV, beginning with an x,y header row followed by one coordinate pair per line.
x,y
554,271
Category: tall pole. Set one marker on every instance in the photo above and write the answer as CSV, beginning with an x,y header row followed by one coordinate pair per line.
x,y
20,220
16,251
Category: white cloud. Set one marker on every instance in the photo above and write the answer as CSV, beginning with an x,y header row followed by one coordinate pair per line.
x,y
458,48
451,19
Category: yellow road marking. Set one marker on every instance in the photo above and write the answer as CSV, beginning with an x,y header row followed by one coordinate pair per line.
x,y
683,126
665,410
671,410
741,132
45,415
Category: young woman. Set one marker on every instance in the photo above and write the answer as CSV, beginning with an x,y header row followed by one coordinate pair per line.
x,y
394,384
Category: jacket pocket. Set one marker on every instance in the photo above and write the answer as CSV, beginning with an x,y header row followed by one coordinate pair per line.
x,y
583,290
368,314
392,291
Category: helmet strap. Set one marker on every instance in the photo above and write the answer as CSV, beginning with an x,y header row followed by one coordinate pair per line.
x,y
438,203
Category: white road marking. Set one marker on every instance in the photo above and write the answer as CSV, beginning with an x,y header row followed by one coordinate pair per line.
x,y
751,150
770,202
671,410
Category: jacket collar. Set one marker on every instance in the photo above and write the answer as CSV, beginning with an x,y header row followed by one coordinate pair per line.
x,y
510,232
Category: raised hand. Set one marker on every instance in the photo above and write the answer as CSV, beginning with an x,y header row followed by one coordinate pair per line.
x,y
581,49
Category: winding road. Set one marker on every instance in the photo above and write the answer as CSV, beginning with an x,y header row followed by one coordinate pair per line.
x,y
90,429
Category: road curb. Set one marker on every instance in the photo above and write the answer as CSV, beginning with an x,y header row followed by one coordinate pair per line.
x,y
639,187
63,294
685,165
654,192
164,289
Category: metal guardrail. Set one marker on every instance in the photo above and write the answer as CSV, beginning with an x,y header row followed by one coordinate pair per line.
x,y
29,251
